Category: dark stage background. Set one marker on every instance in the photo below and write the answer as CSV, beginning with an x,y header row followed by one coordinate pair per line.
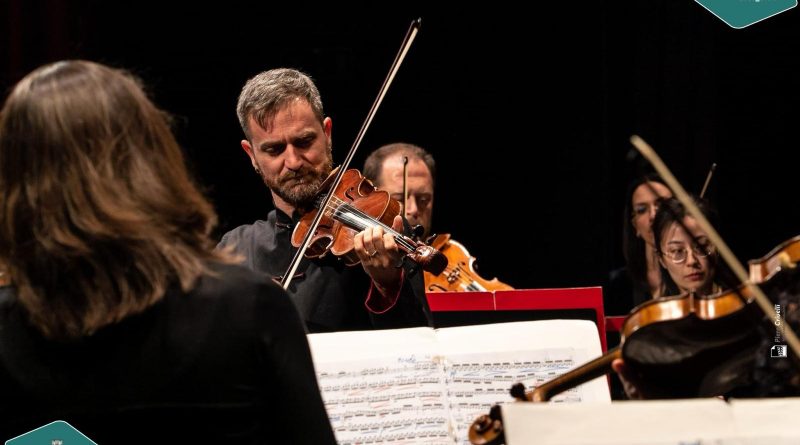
x,y
527,114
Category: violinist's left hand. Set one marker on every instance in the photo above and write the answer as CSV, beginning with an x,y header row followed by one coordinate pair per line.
x,y
380,256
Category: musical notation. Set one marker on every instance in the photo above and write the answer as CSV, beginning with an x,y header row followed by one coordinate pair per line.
x,y
475,382
428,399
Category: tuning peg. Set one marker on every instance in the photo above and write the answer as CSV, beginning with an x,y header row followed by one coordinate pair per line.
x,y
518,391
418,231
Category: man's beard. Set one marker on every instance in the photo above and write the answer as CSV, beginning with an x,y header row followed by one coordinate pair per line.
x,y
299,188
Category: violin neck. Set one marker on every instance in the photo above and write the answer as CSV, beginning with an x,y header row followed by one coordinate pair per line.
x,y
358,220
578,376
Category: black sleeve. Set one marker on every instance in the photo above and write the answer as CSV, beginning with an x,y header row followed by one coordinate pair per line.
x,y
297,408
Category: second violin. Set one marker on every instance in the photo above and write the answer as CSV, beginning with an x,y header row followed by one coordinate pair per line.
x,y
460,274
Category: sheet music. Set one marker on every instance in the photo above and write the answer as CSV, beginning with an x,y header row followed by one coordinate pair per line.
x,y
395,400
475,382
423,386
577,340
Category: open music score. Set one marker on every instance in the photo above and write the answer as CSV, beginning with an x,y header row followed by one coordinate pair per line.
x,y
426,386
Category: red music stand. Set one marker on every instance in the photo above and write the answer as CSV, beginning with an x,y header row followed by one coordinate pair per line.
x,y
614,323
586,298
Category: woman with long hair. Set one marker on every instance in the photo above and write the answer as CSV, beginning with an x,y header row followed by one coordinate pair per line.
x,y
640,279
121,318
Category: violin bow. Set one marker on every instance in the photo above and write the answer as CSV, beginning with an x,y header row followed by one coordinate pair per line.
x,y
708,179
398,60
738,269
405,185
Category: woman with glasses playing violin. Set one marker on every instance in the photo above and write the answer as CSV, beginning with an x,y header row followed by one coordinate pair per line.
x,y
688,264
688,260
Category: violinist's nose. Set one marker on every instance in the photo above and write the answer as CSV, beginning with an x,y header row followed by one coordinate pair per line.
x,y
652,212
691,258
411,207
292,159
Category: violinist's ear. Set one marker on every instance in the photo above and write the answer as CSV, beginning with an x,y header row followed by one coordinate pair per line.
x,y
327,126
249,150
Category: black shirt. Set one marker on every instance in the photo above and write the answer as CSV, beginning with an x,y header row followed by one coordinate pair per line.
x,y
226,363
329,295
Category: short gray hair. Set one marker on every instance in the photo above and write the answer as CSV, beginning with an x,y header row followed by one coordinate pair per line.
x,y
268,92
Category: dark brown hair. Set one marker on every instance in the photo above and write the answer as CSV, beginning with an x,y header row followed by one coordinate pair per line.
x,y
672,211
633,247
98,213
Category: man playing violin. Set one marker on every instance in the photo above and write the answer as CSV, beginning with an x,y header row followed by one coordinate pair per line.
x,y
289,142
385,167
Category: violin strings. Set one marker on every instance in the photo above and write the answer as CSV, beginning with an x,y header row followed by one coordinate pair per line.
x,y
462,279
336,204
351,208
340,203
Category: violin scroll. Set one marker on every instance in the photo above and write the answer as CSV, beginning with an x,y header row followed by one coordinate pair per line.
x,y
488,429
430,259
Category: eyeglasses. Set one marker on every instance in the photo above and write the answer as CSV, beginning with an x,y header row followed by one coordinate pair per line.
x,y
678,256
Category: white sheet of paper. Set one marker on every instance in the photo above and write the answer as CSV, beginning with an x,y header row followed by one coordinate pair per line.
x,y
768,421
424,386
674,422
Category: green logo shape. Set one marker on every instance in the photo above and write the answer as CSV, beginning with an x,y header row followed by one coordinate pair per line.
x,y
55,433
740,13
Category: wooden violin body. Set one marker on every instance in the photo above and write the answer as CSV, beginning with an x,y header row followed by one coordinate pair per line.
x,y
785,256
355,206
460,274
332,234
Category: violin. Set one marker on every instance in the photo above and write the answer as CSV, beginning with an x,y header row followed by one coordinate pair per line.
x,y
782,257
460,274
356,205
682,346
